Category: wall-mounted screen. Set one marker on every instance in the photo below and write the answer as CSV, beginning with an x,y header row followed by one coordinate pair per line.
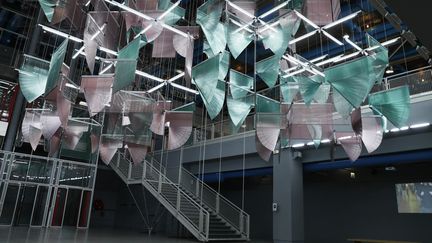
x,y
414,197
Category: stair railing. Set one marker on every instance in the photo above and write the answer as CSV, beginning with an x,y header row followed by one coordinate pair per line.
x,y
196,217
227,210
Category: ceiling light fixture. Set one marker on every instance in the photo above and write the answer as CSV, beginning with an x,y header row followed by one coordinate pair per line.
x,y
303,37
240,9
92,38
389,70
419,125
149,76
274,9
298,145
168,10
146,17
395,129
59,33
332,38
341,20
156,88
306,20
347,39
184,88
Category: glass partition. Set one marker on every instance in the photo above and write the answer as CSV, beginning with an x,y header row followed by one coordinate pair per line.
x,y
39,207
9,203
72,207
24,208
58,206
85,209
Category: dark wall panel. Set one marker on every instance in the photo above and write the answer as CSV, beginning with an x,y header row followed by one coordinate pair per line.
x,y
336,210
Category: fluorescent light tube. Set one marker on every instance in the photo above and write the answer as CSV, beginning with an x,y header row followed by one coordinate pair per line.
x,y
419,125
92,38
347,39
106,69
59,33
240,9
98,32
345,137
348,17
168,27
318,58
306,20
144,30
149,76
303,37
298,145
144,16
169,10
389,42
332,38
128,9
108,51
71,86
345,57
184,88
78,52
268,26
176,77
274,9
156,88
331,60
294,73
240,25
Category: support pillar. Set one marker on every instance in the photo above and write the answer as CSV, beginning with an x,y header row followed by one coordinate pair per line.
x,y
288,219
20,102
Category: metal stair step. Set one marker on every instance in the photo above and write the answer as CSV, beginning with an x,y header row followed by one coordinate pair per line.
x,y
217,224
224,235
225,228
222,229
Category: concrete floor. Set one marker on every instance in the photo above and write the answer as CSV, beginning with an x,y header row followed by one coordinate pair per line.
x,y
71,235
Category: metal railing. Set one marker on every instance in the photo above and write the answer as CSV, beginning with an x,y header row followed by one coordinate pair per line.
x,y
27,168
189,212
220,205
418,81
47,178
209,197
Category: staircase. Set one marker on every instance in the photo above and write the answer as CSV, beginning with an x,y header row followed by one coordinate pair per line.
x,y
204,212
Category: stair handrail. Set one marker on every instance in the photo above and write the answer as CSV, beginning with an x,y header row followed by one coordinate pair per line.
x,y
153,159
244,218
245,229
201,182
164,179
211,189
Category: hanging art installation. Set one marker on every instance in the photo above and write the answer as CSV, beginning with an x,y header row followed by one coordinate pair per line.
x,y
290,97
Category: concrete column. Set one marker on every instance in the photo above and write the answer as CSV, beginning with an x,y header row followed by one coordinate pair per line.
x,y
20,102
288,221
